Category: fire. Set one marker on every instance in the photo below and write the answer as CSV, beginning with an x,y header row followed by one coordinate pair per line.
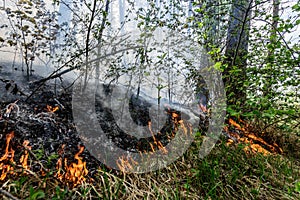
x,y
178,124
52,109
75,172
254,143
24,157
156,142
255,148
8,156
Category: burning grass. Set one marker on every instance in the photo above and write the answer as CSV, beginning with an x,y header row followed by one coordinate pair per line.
x,y
250,168
227,173
254,143
7,158
74,173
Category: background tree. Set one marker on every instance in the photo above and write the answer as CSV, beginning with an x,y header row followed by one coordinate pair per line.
x,y
234,75
32,28
259,60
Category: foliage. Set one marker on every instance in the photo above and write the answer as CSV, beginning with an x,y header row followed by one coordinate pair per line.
x,y
271,85
31,28
272,74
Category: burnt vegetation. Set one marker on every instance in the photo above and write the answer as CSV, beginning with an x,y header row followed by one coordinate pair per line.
x,y
253,49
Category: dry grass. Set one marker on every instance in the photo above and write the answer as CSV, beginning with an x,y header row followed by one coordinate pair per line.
x,y
227,173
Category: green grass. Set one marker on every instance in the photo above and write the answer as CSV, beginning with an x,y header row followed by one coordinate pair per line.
x,y
226,173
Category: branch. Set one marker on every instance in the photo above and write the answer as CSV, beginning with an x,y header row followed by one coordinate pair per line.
x,y
88,39
54,75
10,196
282,37
69,7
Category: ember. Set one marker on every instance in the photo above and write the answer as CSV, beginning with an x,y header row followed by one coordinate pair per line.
x,y
52,109
73,174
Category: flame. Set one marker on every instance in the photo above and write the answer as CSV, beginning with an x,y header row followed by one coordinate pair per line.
x,y
260,145
156,142
75,172
236,125
178,124
52,109
253,148
24,157
8,156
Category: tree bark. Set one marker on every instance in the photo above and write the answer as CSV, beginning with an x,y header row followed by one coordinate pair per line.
x,y
234,76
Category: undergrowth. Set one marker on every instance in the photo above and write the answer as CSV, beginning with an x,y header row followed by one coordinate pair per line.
x,y
226,173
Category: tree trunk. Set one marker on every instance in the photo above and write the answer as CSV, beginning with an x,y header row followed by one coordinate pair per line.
x,y
234,76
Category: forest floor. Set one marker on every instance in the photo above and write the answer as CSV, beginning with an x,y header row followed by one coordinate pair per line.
x,y
41,157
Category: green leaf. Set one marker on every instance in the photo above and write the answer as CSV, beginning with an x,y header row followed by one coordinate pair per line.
x,y
297,186
200,24
296,7
218,66
39,194
186,186
147,73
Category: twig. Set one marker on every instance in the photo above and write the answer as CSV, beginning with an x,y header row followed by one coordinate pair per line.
x,y
53,76
4,192
88,41
30,151
10,107
60,105
43,118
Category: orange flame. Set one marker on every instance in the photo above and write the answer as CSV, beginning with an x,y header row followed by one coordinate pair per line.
x,y
52,109
157,143
253,148
260,145
24,157
75,172
178,124
9,153
8,157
